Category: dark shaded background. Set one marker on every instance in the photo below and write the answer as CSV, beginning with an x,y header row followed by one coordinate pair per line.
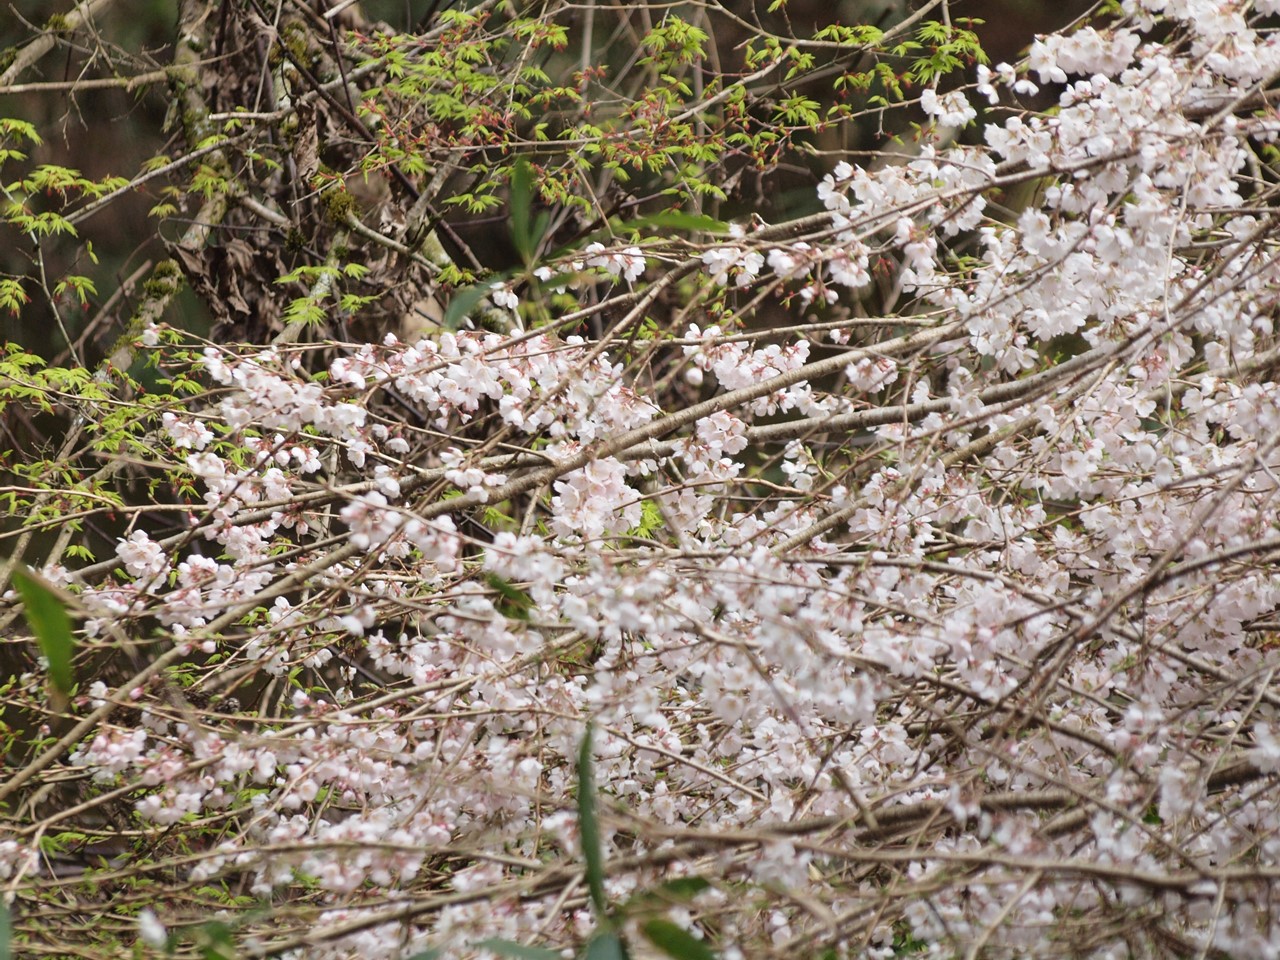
x,y
112,132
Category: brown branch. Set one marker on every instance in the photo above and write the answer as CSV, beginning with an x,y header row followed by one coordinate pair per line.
x,y
81,14
97,83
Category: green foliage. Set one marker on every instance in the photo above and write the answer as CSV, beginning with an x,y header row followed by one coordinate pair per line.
x,y
207,181
24,377
39,225
12,296
323,282
905,943
513,603
82,287
589,829
215,941
798,111
462,303
670,220
479,200
66,184
11,127
46,614
856,35
35,206
674,43
605,945
651,519
676,942
526,233
949,48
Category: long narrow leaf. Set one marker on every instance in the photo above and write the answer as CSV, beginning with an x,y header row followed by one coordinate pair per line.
x,y
606,945
463,301
676,890
675,220
47,616
589,827
676,942
521,203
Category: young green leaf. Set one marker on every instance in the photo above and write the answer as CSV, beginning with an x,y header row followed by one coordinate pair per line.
x,y
589,827
513,603
606,945
462,303
526,234
676,220
682,888
677,890
676,942
46,614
